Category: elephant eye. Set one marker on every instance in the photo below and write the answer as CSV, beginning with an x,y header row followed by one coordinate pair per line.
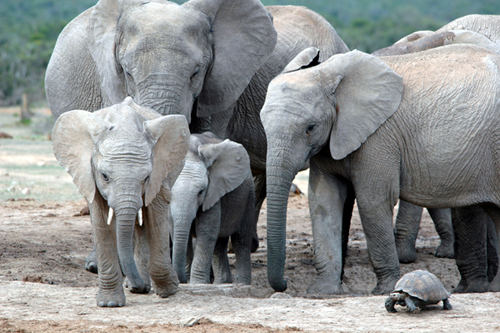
x,y
196,71
146,179
105,177
200,193
310,128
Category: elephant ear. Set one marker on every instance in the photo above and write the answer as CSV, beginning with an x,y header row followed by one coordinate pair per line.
x,y
171,137
73,136
103,27
228,166
305,59
366,93
243,38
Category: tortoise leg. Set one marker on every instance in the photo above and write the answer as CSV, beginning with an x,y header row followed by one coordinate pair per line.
x,y
410,304
447,305
389,304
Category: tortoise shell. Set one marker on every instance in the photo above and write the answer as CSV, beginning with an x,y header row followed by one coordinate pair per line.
x,y
422,285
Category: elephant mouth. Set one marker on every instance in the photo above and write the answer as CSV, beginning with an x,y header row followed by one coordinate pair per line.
x,y
111,214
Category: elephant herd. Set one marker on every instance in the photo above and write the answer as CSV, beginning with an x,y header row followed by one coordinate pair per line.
x,y
176,121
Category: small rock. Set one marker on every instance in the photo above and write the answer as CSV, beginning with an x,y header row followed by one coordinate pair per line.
x,y
280,296
25,191
41,163
191,322
4,135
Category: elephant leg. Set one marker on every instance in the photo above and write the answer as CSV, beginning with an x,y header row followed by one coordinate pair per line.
x,y
220,262
91,260
162,274
327,198
494,214
207,225
142,254
491,250
241,245
444,228
260,196
406,230
469,226
110,293
346,223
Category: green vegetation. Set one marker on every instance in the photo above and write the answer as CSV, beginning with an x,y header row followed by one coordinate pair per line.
x,y
29,28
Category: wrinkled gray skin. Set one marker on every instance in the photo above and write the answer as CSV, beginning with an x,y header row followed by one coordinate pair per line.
x,y
125,158
213,199
395,127
208,59
484,31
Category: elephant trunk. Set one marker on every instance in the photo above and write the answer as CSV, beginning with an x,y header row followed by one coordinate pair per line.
x,y
279,177
125,222
182,227
162,93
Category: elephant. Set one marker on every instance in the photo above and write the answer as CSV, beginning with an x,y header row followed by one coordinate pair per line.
x,y
209,60
484,27
393,127
214,198
124,159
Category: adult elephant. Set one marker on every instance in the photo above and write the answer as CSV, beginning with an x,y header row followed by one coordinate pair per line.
x,y
484,33
212,59
395,127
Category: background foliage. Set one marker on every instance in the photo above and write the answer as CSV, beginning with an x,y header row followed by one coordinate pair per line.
x,y
29,28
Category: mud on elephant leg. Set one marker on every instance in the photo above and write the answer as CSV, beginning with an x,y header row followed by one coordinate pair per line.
x,y
470,226
442,221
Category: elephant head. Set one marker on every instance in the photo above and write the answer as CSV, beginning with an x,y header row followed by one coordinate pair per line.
x,y
169,56
212,169
334,105
123,154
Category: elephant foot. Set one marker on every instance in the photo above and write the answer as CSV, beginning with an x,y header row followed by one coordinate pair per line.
x,y
111,298
166,291
462,285
406,253
473,286
495,284
91,262
323,285
144,289
445,251
384,287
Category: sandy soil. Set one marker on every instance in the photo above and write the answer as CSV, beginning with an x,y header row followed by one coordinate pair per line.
x,y
43,286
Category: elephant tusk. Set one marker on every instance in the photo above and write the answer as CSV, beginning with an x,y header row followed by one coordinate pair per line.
x,y
139,215
110,215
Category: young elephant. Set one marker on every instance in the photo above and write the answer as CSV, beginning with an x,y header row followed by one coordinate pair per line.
x,y
213,199
124,159
423,127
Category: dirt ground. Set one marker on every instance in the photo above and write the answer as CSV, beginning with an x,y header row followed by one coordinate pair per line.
x,y
43,286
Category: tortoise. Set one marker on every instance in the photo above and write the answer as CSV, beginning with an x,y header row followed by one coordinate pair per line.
x,y
416,290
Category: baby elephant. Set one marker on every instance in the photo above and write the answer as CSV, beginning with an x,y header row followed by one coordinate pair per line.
x,y
212,199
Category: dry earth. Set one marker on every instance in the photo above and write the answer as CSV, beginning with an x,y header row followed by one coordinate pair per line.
x,y
43,287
